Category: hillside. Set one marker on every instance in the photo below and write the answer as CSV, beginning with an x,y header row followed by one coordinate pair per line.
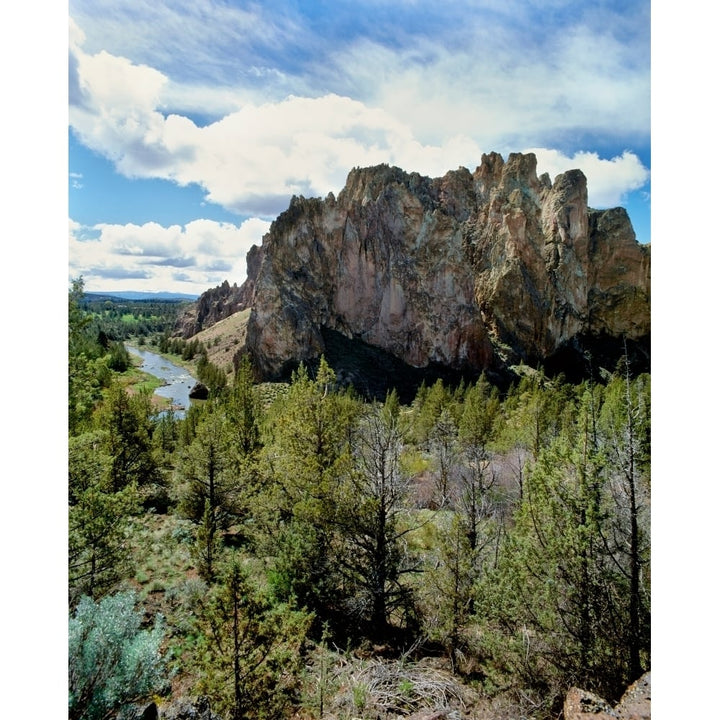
x,y
223,338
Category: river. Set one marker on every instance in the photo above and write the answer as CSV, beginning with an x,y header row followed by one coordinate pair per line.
x,y
178,381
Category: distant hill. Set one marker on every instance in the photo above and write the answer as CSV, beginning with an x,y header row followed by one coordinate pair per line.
x,y
132,295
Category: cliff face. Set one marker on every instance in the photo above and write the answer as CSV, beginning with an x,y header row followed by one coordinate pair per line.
x,y
212,307
468,272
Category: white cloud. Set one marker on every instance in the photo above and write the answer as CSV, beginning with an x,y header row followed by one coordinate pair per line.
x,y
162,32
502,88
434,109
608,180
188,259
255,159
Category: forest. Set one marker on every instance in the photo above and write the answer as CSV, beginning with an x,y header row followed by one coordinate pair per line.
x,y
296,550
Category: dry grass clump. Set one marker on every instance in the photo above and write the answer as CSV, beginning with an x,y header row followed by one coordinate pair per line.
x,y
387,689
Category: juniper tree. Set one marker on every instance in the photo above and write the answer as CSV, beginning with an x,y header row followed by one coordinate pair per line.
x,y
448,586
625,426
556,588
128,425
248,650
98,519
304,458
83,369
481,409
244,409
214,484
375,556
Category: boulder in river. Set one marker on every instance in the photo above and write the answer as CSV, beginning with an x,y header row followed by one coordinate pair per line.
x,y
199,392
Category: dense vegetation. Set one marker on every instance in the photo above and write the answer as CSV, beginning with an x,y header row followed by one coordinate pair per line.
x,y
310,552
119,319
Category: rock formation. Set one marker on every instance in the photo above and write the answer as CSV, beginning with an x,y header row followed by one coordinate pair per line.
x,y
199,392
185,708
634,704
211,307
469,272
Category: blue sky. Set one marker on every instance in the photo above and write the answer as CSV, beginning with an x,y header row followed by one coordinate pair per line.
x,y
192,124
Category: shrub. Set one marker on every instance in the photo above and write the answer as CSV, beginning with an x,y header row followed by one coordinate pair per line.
x,y
112,662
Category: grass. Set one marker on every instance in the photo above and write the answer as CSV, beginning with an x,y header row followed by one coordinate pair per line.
x,y
136,381
161,548
223,339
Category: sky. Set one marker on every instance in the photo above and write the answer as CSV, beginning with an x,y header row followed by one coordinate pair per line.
x,y
191,125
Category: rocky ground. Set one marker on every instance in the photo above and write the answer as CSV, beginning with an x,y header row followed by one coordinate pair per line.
x,y
634,704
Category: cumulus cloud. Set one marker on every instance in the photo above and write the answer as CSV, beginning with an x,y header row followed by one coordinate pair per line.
x,y
608,180
434,110
188,259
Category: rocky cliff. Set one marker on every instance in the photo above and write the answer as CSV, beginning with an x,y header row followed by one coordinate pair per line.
x,y
212,307
468,272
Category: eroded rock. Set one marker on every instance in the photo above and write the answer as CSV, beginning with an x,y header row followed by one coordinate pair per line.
x,y
634,704
471,271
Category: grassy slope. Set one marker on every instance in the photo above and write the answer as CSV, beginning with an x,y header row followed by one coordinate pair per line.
x,y
223,339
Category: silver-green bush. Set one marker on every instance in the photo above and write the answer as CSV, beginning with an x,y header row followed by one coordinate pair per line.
x,y
112,661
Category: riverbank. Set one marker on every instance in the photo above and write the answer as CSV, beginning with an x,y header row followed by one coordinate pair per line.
x,y
171,378
135,381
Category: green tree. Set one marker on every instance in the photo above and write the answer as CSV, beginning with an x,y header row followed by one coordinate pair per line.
x,y
556,589
84,387
375,557
305,570
128,425
210,469
473,502
213,490
625,427
112,661
249,652
98,520
209,374
305,457
442,443
448,585
119,359
534,413
427,408
245,411
208,546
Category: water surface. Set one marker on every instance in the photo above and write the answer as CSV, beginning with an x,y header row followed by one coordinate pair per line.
x,y
178,381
